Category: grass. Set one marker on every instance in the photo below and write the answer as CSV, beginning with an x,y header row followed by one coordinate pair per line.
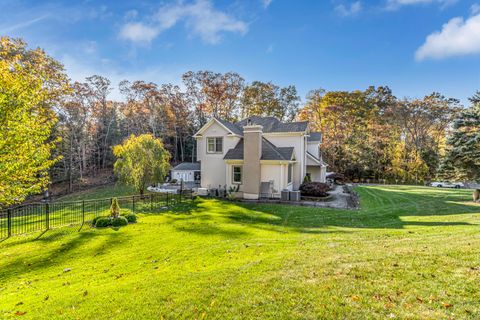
x,y
410,252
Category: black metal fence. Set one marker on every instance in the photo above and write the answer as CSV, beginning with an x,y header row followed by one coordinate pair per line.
x,y
35,217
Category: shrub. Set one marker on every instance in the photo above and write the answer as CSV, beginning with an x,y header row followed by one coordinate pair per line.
x,y
132,218
314,189
114,208
94,220
336,177
103,222
119,222
307,179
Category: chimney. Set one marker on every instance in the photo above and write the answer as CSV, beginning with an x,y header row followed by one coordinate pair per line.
x,y
252,152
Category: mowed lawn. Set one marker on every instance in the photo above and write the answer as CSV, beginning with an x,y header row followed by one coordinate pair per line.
x,y
409,253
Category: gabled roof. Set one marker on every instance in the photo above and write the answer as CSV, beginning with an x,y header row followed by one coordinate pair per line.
x,y
269,152
272,124
230,126
269,124
188,166
314,137
317,160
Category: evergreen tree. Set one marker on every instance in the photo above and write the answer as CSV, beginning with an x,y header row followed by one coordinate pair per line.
x,y
463,152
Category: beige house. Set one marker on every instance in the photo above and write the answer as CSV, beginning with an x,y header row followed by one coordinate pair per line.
x,y
258,151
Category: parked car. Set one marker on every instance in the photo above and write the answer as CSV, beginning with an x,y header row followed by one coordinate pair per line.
x,y
448,184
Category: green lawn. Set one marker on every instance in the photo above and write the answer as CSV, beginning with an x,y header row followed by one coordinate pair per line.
x,y
410,252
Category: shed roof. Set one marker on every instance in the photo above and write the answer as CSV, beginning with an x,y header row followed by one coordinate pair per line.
x,y
188,166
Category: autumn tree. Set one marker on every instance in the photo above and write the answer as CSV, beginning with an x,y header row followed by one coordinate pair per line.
x,y
269,100
32,85
141,160
213,94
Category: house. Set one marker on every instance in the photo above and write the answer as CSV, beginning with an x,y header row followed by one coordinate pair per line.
x,y
258,150
186,171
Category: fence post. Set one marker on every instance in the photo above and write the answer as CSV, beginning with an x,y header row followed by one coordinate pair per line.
x,y
47,216
167,198
151,202
9,222
133,204
83,212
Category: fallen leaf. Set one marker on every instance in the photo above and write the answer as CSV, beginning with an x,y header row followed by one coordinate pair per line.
x,y
447,305
20,313
355,298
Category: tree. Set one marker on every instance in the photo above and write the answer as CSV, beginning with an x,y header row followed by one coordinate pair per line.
x,y
32,85
463,145
269,100
213,94
141,160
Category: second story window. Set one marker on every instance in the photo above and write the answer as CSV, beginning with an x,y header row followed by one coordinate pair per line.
x,y
214,144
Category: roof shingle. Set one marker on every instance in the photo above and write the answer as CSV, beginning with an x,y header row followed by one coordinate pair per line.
x,y
269,152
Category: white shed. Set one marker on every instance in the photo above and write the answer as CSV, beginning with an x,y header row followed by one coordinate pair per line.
x,y
187,171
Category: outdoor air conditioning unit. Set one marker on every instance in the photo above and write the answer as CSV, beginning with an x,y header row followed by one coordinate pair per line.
x,y
285,195
294,195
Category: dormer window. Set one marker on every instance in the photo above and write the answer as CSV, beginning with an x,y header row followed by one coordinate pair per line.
x,y
215,145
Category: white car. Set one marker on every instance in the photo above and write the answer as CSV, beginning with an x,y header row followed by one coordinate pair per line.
x,y
448,184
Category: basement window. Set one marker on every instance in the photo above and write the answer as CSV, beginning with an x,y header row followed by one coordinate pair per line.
x,y
237,174
214,144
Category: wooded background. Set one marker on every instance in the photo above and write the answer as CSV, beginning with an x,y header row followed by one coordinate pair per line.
x,y
367,134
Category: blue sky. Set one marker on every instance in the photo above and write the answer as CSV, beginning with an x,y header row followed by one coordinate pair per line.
x,y
413,46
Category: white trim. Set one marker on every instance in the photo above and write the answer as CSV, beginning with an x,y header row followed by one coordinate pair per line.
x,y
296,133
231,161
208,124
276,161
313,158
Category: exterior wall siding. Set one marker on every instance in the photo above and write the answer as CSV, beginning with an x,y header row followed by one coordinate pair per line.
x,y
213,167
298,142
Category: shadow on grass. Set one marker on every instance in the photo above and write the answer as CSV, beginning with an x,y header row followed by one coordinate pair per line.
x,y
382,207
61,252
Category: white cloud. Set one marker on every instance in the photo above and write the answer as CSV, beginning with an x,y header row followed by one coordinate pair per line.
x,y
138,32
199,17
266,3
349,10
475,9
458,37
395,4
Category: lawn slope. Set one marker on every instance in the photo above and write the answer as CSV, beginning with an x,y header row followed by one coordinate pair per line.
x,y
409,252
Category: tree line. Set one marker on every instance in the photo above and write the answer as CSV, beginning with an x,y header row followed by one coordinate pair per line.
x,y
56,130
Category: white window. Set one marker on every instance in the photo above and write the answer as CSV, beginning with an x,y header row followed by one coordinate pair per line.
x,y
237,174
290,172
214,144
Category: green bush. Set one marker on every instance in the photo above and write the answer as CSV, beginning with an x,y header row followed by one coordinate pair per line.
x,y
94,220
119,222
314,189
103,222
132,218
